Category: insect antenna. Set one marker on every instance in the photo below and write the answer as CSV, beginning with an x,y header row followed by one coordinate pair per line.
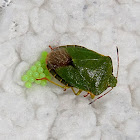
x,y
116,77
100,96
118,61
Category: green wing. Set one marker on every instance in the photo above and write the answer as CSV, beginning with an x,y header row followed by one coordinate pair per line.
x,y
81,53
89,70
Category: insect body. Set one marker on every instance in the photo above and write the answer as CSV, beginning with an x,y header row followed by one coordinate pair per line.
x,y
79,67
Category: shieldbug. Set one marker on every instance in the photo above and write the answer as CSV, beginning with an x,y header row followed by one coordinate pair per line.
x,y
78,67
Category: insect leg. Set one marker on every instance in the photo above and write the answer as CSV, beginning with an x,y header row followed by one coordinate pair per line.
x,y
65,87
78,93
52,48
92,95
73,90
86,94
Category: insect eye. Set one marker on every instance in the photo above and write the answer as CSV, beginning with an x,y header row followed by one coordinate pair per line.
x,y
112,81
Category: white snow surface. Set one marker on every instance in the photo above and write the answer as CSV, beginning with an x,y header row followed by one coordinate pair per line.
x,y
28,27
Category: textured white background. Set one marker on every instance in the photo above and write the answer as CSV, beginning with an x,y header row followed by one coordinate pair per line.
x,y
28,27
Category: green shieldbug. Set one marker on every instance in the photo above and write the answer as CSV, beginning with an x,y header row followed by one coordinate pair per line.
x,y
81,68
